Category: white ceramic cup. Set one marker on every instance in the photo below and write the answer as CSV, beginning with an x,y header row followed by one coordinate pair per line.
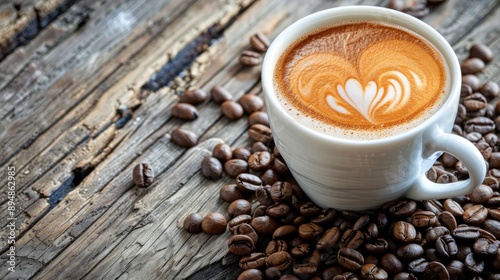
x,y
355,174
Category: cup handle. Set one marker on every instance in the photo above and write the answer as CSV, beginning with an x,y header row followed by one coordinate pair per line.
x,y
439,141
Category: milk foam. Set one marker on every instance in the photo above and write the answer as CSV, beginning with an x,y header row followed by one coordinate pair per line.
x,y
361,80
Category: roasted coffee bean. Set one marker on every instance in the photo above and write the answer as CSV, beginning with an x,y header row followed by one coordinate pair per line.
x,y
361,223
301,250
279,210
192,223
269,177
432,254
235,167
253,261
475,215
446,246
350,259
281,192
220,94
185,111
456,270
333,272
474,264
315,257
193,96
239,207
352,239
418,11
236,221
382,220
251,274
276,246
310,231
230,193
143,175
472,66
281,260
481,194
433,205
481,51
259,132
264,225
494,213
486,234
436,232
418,266
258,117
405,276
453,207
404,232
214,223
259,147
474,137
391,264
490,89
248,183
259,211
466,234
448,160
222,152
493,226
472,80
183,137
329,258
485,150
446,178
485,247
465,91
494,141
305,270
403,208
241,153
259,42
284,231
291,277
475,102
263,196
240,245
482,125
247,230
251,103
329,240
424,219
272,273
260,161
372,272
494,160
250,58
377,246
493,202
436,271
309,209
371,232
447,220
211,168
410,252
232,110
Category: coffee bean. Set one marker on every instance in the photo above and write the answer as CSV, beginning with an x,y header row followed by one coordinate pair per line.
x,y
485,247
247,230
329,240
281,260
220,94
240,245
472,80
465,91
260,161
239,207
192,223
404,232
372,272
371,232
377,246
410,252
474,264
490,89
352,239
289,277
446,246
494,160
475,215
485,149
310,231
481,51
309,209
433,205
253,261
329,258
361,223
398,5
448,160
276,246
453,207
143,175
475,102
250,58
350,259
259,42
314,258
259,132
494,213
405,276
278,210
259,147
269,177
241,153
222,152
418,266
482,125
231,110
448,220
301,250
472,66
272,273
230,193
466,234
456,270
391,264
305,270
263,196
211,168
264,225
239,220
234,167
183,137
481,194
259,211
424,219
281,192
214,223
325,217
193,96
474,137
251,103
493,226
251,274
418,11
248,183
258,117
436,271
185,111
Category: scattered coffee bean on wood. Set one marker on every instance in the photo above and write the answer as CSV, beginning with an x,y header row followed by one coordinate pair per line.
x,y
211,168
143,175
192,223
193,96
214,223
251,103
184,137
481,51
185,111
259,42
250,58
232,110
222,152
220,94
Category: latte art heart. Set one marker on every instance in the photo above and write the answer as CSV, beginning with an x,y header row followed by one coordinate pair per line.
x,y
362,76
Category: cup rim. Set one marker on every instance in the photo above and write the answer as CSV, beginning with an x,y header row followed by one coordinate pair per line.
x,y
384,14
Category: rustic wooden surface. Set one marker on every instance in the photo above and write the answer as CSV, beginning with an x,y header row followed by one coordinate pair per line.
x,y
85,90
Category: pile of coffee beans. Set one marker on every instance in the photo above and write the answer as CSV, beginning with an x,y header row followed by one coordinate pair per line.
x,y
280,234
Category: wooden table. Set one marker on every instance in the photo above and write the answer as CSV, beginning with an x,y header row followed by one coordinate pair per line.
x,y
86,91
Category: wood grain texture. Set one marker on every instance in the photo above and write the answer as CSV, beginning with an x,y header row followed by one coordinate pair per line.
x,y
76,119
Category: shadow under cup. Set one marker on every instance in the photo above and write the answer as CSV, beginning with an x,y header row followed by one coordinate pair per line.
x,y
354,174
